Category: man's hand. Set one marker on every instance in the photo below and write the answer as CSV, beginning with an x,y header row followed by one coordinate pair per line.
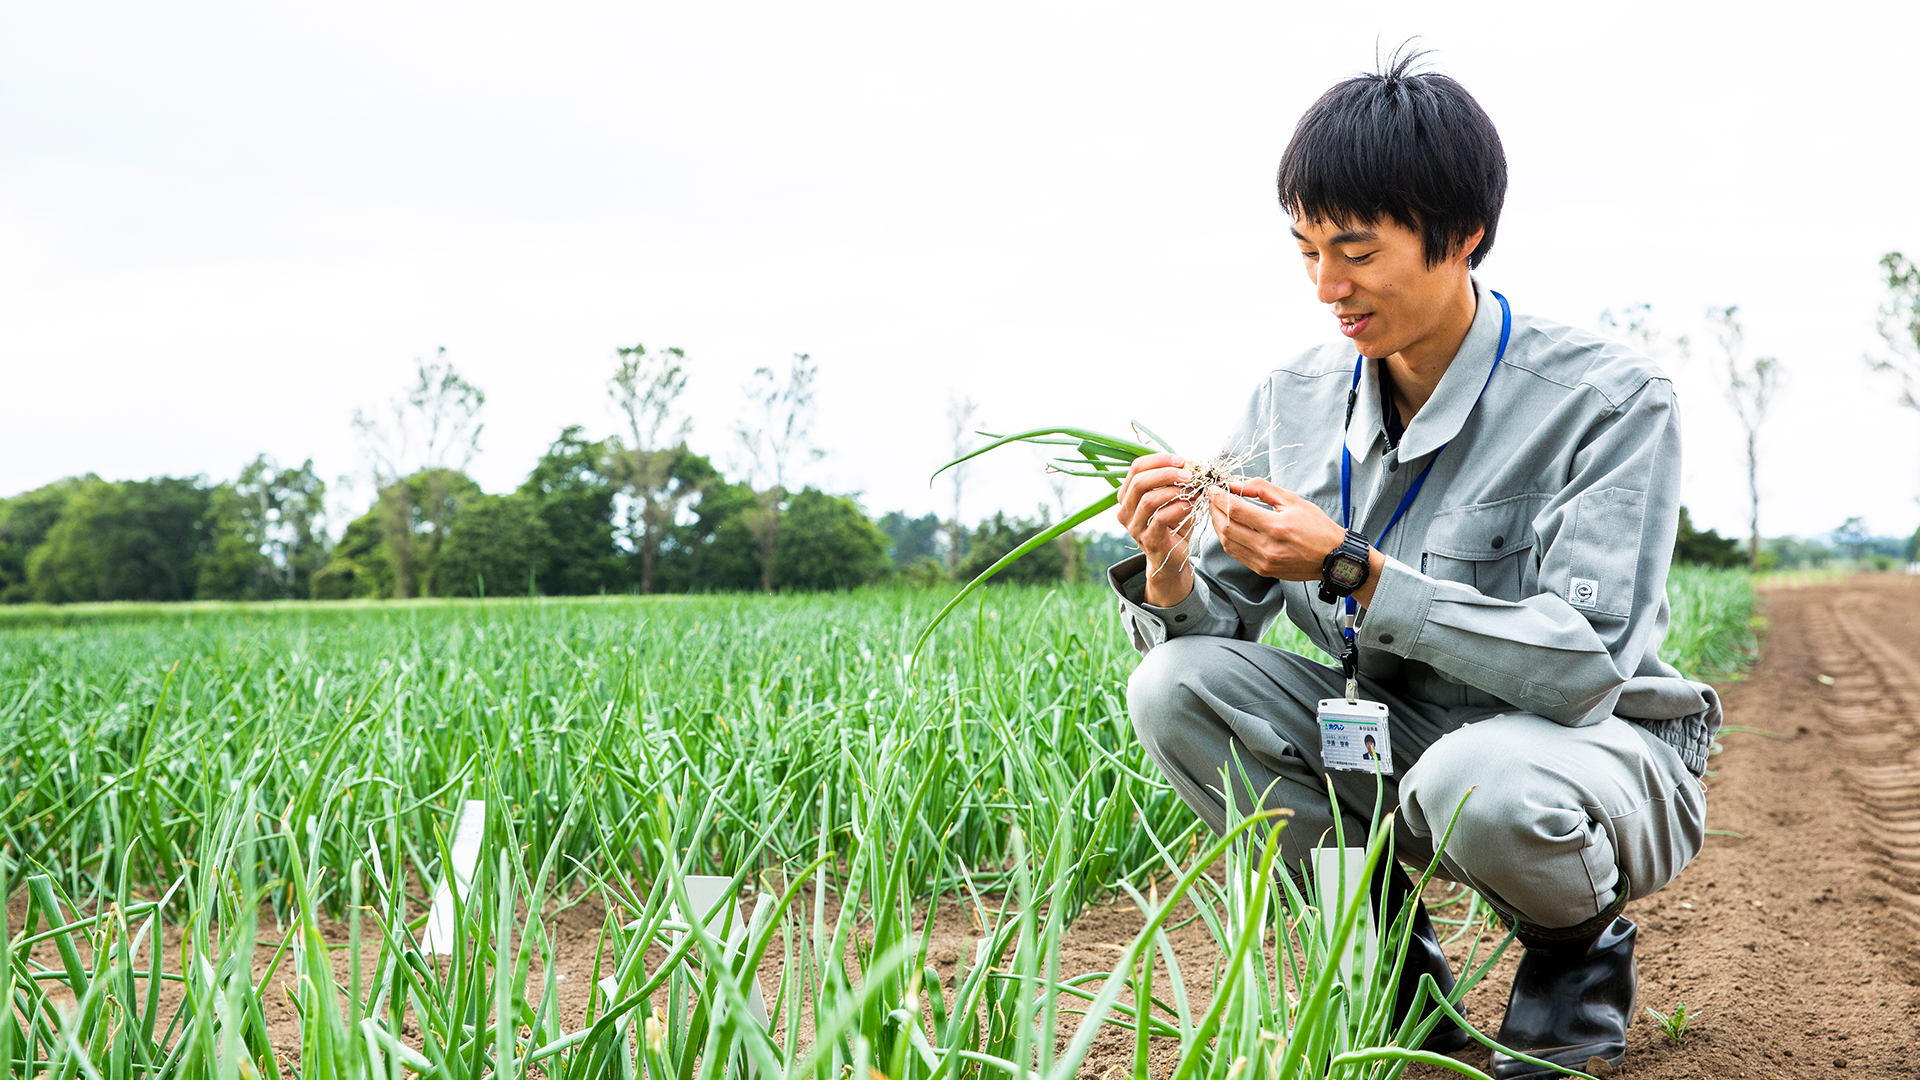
x,y
1151,510
1286,539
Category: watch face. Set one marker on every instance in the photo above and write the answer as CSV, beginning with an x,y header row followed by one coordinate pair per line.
x,y
1347,571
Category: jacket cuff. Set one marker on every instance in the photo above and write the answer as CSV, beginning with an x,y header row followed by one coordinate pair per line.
x,y
1146,624
1398,614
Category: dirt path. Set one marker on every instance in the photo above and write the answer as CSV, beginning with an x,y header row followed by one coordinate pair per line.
x,y
1800,944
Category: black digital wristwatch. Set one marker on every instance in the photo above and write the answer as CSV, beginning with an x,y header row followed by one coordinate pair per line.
x,y
1346,567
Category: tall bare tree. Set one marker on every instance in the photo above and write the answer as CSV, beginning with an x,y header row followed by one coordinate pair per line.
x,y
646,387
960,416
1066,542
431,433
774,438
1750,388
1900,326
1634,325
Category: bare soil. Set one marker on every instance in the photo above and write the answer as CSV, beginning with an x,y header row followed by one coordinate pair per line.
x,y
1795,941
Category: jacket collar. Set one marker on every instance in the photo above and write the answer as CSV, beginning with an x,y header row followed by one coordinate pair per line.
x,y
1444,414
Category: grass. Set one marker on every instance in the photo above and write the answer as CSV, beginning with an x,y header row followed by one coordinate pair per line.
x,y
256,776
1714,634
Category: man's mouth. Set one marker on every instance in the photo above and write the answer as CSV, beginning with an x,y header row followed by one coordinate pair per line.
x,y
1355,324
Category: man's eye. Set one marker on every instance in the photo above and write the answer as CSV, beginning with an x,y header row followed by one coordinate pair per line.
x,y
1309,254
1360,258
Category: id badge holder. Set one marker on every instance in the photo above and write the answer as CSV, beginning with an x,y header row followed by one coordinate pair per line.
x,y
1353,732
1354,736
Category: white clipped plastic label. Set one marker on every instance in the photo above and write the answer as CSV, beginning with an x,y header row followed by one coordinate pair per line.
x,y
610,988
464,853
1354,736
712,896
1332,868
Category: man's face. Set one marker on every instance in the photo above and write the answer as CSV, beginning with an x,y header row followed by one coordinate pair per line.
x,y
1375,279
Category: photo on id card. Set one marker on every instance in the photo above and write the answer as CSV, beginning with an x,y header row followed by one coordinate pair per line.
x,y
1354,737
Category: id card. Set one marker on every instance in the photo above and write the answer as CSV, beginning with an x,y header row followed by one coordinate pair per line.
x,y
1353,736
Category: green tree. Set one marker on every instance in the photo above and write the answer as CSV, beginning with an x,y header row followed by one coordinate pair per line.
x,y
1793,553
496,544
714,549
573,487
828,543
268,539
911,539
134,540
435,497
359,568
25,521
1105,549
397,558
1707,548
1000,534
431,434
1852,538
645,388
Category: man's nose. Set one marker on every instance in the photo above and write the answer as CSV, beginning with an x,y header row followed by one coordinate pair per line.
x,y
1330,285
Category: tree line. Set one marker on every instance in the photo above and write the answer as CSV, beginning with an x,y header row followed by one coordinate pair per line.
x,y
641,511
638,511
1750,385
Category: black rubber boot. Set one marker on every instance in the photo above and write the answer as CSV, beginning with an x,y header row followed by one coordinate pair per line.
x,y
1572,995
1424,957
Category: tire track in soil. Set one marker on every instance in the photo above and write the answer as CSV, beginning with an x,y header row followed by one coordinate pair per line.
x,y
1875,712
1796,941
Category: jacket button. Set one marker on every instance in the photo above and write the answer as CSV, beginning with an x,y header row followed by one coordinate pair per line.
x,y
1386,639
1393,463
1179,618
1498,540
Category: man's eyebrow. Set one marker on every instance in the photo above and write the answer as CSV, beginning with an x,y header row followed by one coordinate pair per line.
x,y
1345,236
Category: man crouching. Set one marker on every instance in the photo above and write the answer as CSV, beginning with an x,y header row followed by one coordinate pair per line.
x,y
1477,516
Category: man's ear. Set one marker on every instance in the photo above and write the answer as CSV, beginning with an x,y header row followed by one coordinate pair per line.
x,y
1472,240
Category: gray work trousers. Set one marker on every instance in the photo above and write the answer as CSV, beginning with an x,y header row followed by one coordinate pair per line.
x,y
1556,813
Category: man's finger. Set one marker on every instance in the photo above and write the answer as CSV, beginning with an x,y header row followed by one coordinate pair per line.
x,y
1252,487
1240,509
1141,481
1154,504
1149,462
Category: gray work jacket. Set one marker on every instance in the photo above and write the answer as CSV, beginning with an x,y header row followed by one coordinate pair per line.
x,y
1530,572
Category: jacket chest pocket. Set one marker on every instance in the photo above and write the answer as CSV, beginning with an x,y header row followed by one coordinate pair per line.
x,y
1489,546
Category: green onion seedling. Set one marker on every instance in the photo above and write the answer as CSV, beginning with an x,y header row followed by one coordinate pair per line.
x,y
1100,457
1674,1025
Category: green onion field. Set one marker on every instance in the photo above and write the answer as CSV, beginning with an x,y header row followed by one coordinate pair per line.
x,y
214,811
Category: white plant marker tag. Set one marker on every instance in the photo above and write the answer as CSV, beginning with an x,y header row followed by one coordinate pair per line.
x,y
610,988
1356,963
465,853
706,893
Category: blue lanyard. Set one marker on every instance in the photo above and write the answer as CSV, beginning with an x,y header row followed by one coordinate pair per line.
x,y
1413,492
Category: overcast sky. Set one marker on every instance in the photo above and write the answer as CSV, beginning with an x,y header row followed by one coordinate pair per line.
x,y
223,228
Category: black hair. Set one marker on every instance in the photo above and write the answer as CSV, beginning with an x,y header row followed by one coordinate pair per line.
x,y
1409,146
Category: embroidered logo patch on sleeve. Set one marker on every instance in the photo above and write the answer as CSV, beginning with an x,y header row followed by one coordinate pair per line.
x,y
1583,592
